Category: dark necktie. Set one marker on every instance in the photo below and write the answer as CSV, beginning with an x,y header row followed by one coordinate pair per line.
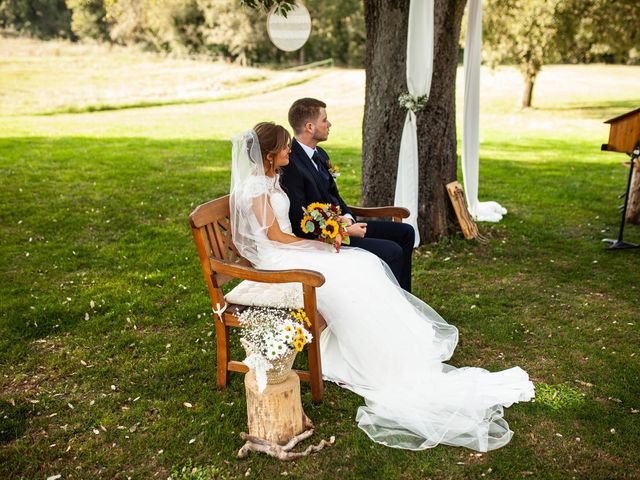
x,y
321,168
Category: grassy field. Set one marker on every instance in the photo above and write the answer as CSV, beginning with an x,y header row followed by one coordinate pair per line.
x,y
105,326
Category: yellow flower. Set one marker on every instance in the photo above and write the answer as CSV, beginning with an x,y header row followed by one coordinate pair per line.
x,y
331,228
299,344
307,225
317,205
288,328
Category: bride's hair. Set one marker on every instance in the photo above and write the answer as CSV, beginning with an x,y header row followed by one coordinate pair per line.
x,y
272,138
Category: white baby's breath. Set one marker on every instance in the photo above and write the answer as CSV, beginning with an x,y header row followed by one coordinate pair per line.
x,y
273,332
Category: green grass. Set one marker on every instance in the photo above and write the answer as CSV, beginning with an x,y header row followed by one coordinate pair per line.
x,y
105,323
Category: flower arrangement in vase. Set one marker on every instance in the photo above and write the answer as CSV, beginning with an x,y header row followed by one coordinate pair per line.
x,y
272,337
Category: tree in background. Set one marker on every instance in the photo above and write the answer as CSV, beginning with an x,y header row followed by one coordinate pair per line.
x,y
599,31
337,31
39,18
89,19
530,33
522,32
220,28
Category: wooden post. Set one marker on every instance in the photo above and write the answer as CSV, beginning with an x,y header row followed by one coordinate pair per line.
x,y
468,226
276,414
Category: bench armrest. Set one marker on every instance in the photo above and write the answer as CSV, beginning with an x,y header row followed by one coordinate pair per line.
x,y
397,213
306,277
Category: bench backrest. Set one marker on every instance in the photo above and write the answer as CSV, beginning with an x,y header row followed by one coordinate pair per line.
x,y
211,230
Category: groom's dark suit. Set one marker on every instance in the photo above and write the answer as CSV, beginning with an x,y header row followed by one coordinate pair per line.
x,y
305,184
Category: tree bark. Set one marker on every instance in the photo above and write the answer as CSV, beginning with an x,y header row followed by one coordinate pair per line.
x,y
276,414
527,94
633,207
385,63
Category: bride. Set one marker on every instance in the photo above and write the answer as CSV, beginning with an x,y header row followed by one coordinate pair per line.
x,y
380,342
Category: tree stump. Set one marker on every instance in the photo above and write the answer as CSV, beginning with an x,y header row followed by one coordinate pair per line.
x,y
276,414
633,207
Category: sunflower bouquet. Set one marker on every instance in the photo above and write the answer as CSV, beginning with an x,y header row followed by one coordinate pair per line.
x,y
323,220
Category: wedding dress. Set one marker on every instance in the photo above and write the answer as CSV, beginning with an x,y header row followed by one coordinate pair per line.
x,y
380,342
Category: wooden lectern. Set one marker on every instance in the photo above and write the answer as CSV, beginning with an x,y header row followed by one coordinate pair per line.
x,y
624,136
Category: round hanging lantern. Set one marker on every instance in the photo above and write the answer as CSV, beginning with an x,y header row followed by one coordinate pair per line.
x,y
291,32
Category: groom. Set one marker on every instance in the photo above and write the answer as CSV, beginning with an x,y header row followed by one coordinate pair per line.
x,y
307,179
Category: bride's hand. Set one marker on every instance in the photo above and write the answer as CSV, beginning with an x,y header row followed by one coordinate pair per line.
x,y
347,220
357,230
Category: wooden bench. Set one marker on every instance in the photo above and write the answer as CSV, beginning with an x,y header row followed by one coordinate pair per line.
x,y
221,262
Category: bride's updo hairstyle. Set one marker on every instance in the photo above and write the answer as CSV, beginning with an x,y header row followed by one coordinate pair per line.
x,y
272,138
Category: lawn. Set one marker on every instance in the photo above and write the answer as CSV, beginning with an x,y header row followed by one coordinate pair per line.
x,y
106,333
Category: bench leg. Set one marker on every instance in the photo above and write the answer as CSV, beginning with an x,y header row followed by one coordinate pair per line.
x,y
313,349
222,353
315,371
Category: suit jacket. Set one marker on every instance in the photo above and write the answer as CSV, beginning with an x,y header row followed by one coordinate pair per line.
x,y
304,184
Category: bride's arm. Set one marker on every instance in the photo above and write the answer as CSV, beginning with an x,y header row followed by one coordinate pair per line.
x,y
274,233
266,217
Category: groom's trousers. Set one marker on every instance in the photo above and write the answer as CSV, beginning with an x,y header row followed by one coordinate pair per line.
x,y
393,243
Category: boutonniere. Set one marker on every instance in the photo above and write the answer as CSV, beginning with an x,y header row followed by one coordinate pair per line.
x,y
334,170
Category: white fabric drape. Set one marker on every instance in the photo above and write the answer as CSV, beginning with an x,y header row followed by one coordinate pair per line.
x,y
419,70
481,211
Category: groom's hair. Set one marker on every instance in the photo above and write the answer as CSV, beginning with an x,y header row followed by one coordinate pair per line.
x,y
303,111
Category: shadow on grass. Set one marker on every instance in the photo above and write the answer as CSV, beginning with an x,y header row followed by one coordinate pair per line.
x,y
104,222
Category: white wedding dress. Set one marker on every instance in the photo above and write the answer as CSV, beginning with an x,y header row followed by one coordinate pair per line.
x,y
383,343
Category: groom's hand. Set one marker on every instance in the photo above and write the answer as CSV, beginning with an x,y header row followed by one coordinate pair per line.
x,y
357,230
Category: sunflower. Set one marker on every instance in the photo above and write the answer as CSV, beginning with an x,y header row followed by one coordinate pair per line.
x,y
331,228
307,224
317,206
299,344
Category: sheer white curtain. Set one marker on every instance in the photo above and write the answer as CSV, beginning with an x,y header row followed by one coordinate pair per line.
x,y
419,70
482,211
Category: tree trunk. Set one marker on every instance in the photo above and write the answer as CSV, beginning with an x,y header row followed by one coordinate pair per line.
x,y
633,207
528,92
385,63
276,414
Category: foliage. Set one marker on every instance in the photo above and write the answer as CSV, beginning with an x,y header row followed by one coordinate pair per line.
x,y
88,19
599,30
338,32
282,6
522,32
530,33
39,18
227,28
